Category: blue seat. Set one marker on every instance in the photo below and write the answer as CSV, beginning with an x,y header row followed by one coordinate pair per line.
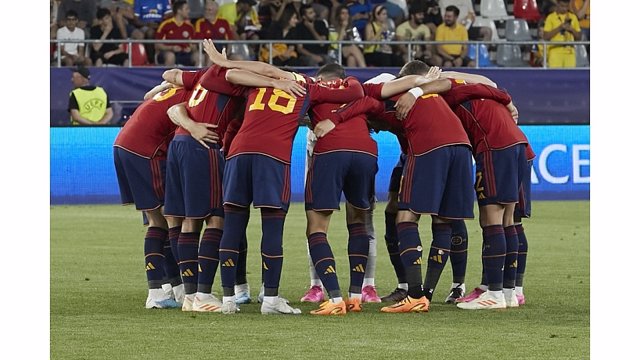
x,y
483,54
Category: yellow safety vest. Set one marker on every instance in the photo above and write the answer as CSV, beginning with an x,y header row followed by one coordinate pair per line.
x,y
92,104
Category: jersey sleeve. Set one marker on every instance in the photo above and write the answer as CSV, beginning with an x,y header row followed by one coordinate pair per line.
x,y
350,91
214,80
190,78
373,90
363,106
459,94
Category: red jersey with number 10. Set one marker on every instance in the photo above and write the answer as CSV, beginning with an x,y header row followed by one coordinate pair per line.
x,y
271,116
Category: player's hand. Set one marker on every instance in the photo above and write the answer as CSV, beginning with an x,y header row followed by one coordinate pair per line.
x,y
202,133
214,55
290,87
404,105
433,74
514,111
323,128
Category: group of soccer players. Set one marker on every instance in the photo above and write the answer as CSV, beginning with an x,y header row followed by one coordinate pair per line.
x,y
206,144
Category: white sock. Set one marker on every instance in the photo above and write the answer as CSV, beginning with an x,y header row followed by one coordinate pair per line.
x,y
241,288
229,298
369,282
355,295
461,285
166,287
483,287
403,286
336,300
316,282
496,294
269,300
519,290
202,295
157,294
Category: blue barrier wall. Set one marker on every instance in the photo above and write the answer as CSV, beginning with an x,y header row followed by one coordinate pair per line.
x,y
82,169
542,96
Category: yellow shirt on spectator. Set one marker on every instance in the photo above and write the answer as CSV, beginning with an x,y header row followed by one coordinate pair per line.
x,y
458,33
554,20
405,30
586,22
229,13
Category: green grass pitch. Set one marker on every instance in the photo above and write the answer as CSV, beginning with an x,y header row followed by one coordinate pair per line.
x,y
98,289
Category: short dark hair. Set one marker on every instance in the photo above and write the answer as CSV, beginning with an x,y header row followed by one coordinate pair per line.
x,y
332,69
453,9
304,8
71,13
102,12
414,67
416,8
177,5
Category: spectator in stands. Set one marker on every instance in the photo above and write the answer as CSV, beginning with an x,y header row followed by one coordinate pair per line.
x,y
582,9
147,16
468,17
176,28
107,53
453,55
122,14
54,5
243,17
72,53
414,29
561,25
311,29
360,11
343,29
270,12
432,16
380,28
213,27
88,104
85,12
284,29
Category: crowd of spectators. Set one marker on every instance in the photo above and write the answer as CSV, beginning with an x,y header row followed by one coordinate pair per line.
x,y
290,21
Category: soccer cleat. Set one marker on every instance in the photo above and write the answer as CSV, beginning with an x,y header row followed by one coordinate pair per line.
x,y
330,308
407,305
187,304
280,306
486,301
510,298
243,294
229,307
354,305
370,295
396,295
472,296
167,303
261,294
207,303
521,299
315,294
455,294
178,293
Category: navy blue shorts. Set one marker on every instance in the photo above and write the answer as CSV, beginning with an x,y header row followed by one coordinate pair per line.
x,y
194,179
499,174
439,183
523,208
396,174
257,179
333,173
141,180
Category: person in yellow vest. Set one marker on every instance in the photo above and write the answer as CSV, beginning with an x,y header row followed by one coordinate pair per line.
x,y
561,25
88,104
582,9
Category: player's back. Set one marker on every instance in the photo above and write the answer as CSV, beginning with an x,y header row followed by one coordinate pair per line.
x,y
149,130
350,135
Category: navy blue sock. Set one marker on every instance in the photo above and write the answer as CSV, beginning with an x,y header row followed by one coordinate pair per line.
x,y
208,259
523,247
171,269
459,245
324,262
235,226
358,249
154,256
494,247
511,258
393,247
271,246
241,270
411,255
188,253
438,256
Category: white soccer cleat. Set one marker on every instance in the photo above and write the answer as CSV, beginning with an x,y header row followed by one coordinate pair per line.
x,y
187,303
243,294
486,301
279,306
261,294
510,298
229,307
178,293
206,303
157,299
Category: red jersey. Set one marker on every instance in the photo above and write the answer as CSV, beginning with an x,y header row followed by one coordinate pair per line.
x,y
218,30
171,30
482,110
149,130
351,135
214,100
271,116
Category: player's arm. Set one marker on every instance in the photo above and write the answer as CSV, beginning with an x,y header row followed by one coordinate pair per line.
x,y
405,103
199,131
350,90
106,118
363,106
460,94
257,67
75,115
469,78
157,89
173,76
405,83
248,78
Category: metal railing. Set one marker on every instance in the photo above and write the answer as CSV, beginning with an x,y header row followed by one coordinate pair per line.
x,y
409,44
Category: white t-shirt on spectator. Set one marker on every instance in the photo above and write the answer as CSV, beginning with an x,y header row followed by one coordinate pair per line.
x,y
65,34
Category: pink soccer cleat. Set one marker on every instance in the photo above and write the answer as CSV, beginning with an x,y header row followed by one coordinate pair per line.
x,y
315,294
370,295
521,299
471,296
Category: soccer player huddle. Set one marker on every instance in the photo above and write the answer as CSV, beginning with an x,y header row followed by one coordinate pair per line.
x,y
206,144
